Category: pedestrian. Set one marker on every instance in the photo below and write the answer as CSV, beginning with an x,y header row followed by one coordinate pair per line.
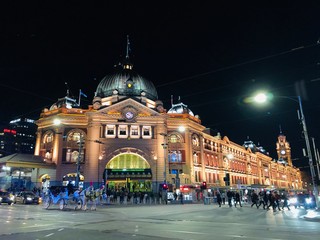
x,y
223,196
254,198
271,202
265,199
260,199
229,196
277,200
175,195
219,199
181,197
237,199
285,201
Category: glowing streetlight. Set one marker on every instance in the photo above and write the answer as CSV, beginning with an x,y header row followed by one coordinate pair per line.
x,y
261,98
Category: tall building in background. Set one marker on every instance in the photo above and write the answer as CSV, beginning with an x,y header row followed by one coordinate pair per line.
x,y
18,137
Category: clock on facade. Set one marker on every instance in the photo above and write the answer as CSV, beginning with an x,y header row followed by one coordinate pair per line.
x,y
129,115
283,152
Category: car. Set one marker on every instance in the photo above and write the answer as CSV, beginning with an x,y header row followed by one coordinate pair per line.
x,y
6,197
27,197
303,200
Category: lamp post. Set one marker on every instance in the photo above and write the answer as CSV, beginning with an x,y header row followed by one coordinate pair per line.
x,y
260,98
99,160
164,145
80,142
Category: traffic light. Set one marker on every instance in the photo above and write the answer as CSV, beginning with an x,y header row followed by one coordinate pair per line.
x,y
164,186
204,185
227,179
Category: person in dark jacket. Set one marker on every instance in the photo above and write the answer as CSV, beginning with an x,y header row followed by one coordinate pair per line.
x,y
229,196
272,201
219,199
285,201
254,198
237,199
261,199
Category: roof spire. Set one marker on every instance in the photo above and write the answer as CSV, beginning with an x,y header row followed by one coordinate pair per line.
x,y
280,129
128,47
67,88
126,62
171,100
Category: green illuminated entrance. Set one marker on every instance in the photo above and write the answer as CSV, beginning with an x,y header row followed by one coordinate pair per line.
x,y
128,171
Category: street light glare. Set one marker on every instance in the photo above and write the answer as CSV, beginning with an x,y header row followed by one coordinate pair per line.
x,y
260,98
56,121
182,129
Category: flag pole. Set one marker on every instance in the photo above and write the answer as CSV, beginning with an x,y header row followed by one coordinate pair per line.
x,y
79,97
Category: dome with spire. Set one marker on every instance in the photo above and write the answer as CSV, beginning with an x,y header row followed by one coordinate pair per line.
x,y
180,108
126,83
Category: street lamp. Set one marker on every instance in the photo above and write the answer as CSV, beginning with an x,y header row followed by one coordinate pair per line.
x,y
164,145
80,142
262,97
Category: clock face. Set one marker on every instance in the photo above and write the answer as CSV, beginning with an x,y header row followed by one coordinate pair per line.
x,y
129,115
283,152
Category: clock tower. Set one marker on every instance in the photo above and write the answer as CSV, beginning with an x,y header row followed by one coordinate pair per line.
x,y
283,150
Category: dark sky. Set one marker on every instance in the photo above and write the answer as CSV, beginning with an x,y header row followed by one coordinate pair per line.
x,y
212,55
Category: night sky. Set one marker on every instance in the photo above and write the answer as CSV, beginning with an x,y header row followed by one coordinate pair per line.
x,y
213,56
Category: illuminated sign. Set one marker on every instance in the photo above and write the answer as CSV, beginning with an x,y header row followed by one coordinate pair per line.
x,y
10,131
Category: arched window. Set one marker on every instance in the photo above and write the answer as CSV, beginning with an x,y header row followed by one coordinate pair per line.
x,y
128,161
71,152
174,138
195,141
48,137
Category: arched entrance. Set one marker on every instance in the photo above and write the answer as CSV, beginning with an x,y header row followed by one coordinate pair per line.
x,y
130,172
45,181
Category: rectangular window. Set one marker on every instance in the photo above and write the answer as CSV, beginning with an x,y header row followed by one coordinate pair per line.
x,y
122,131
110,131
146,132
134,131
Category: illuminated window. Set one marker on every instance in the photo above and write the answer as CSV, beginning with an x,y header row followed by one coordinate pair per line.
x,y
48,138
175,156
74,136
195,141
110,129
122,130
174,138
134,131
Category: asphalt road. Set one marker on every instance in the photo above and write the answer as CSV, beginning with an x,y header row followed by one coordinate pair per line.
x,y
156,222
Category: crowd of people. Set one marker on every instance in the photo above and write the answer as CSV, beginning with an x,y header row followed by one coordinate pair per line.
x,y
264,199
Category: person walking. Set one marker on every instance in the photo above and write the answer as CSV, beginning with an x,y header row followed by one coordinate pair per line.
x,y
272,200
223,196
181,197
260,199
285,201
237,199
254,199
219,199
277,200
229,196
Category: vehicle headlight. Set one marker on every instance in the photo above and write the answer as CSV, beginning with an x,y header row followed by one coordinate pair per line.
x,y
293,200
308,200
29,198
